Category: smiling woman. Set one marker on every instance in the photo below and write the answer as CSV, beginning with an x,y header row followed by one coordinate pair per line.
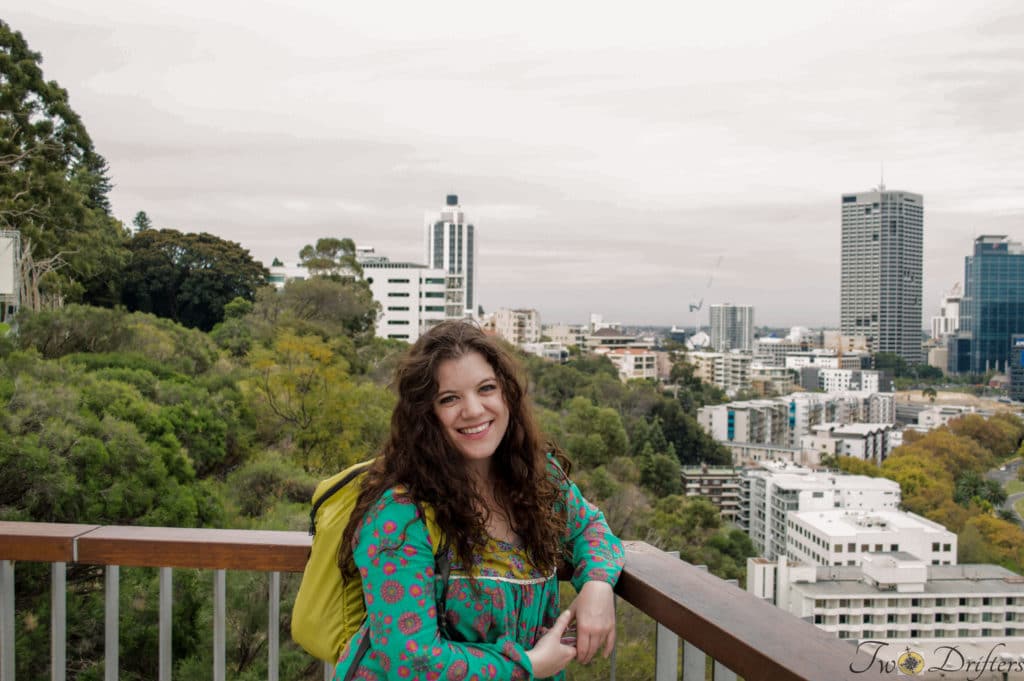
x,y
464,447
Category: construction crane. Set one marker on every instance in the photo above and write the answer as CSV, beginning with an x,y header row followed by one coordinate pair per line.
x,y
696,307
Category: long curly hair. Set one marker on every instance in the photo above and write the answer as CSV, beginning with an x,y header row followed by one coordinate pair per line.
x,y
419,457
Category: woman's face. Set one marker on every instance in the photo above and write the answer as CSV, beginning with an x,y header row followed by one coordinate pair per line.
x,y
470,407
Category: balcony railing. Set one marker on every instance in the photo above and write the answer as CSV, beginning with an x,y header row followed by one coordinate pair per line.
x,y
741,633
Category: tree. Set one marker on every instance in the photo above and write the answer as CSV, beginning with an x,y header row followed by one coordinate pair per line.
x,y
320,306
188,277
331,257
142,222
930,393
53,183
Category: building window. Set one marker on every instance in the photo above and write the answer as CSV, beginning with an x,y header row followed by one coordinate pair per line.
x,y
397,308
894,547
947,547
398,281
935,546
398,322
397,294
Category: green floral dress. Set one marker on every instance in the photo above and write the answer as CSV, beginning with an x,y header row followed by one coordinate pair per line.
x,y
488,632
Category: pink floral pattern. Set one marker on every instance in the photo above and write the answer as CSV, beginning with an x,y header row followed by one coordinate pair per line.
x,y
488,631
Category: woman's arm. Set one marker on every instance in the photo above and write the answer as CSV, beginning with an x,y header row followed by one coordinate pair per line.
x,y
598,558
396,561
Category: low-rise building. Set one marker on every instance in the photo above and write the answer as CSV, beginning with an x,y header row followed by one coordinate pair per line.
x,y
901,601
864,441
633,362
517,326
730,371
773,491
553,352
411,297
719,484
845,537
826,359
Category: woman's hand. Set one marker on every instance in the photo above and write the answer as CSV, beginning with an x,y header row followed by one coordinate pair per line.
x,y
549,655
594,611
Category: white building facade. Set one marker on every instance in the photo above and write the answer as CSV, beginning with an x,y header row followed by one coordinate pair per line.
x,y
411,297
845,537
517,326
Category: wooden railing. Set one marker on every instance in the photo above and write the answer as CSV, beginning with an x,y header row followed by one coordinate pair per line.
x,y
743,634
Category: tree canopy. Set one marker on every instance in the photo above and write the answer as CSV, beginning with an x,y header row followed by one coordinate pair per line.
x,y
188,277
53,184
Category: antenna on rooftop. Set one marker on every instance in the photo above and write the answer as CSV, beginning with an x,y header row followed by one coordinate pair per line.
x,y
881,181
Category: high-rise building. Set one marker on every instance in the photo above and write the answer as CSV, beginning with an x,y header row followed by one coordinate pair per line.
x,y
992,309
881,270
451,246
947,322
732,327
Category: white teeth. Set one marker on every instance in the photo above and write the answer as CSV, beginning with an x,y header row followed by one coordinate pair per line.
x,y
473,431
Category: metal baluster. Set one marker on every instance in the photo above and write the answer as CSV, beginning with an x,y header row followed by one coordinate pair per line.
x,y
723,673
615,648
6,620
219,625
694,660
111,607
666,649
166,586
328,671
274,628
58,621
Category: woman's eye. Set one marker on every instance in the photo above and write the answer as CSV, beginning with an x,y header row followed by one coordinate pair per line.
x,y
488,388
447,399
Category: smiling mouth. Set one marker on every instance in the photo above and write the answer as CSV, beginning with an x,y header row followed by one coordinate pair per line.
x,y
475,430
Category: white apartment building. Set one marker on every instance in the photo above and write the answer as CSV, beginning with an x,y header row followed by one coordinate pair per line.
x,y
451,246
632,362
730,371
751,421
769,494
824,359
551,351
844,537
903,601
947,322
773,351
411,297
517,326
852,380
769,379
732,327
935,416
864,441
566,334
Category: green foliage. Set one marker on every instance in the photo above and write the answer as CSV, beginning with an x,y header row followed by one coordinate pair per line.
x,y
84,329
332,310
141,221
595,434
188,278
331,257
973,487
660,473
53,183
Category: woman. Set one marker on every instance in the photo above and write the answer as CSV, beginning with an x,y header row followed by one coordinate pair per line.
x,y
463,442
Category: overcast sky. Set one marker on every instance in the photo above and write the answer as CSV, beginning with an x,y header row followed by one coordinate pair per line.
x,y
610,154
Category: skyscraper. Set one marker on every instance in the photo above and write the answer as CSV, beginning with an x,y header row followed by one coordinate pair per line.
x,y
993,304
732,327
451,246
881,272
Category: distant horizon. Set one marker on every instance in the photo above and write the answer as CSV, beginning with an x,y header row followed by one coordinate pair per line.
x,y
632,166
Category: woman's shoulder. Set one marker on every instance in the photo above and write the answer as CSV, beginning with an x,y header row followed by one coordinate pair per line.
x,y
393,503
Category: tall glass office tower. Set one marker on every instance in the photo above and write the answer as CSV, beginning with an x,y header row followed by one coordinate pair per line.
x,y
992,310
451,246
881,270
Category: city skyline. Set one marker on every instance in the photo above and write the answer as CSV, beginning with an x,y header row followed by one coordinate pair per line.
x,y
615,166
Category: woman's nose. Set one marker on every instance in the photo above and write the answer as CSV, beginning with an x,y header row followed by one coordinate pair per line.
x,y
472,406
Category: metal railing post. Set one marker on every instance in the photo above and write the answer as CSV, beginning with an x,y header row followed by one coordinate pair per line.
x,y
274,628
6,620
111,625
219,623
666,649
166,603
58,621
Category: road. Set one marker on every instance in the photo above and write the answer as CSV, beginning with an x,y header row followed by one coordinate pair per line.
x,y
1003,475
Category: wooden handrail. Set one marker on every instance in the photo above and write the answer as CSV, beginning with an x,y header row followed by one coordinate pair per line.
x,y
746,634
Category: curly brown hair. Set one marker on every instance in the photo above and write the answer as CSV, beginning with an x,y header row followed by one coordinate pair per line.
x,y
419,457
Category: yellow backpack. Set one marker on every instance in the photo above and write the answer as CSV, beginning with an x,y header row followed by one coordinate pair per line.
x,y
329,607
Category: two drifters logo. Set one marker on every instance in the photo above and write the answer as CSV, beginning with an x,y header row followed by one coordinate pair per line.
x,y
910,663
